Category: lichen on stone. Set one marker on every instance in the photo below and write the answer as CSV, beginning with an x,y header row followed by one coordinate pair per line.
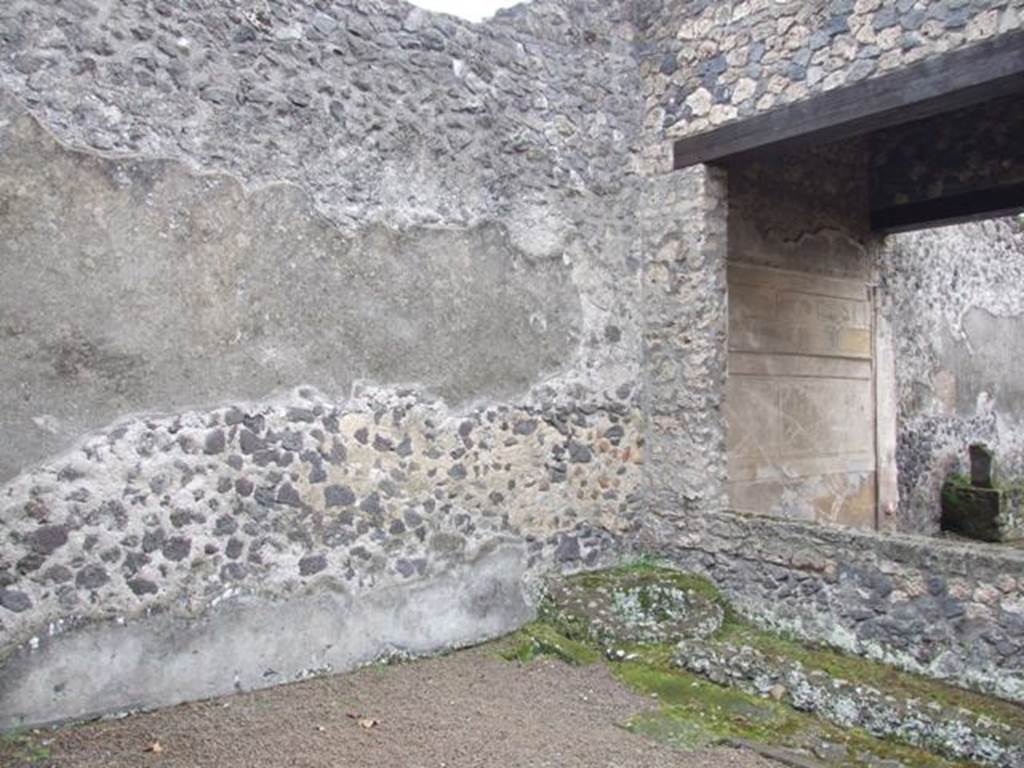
x,y
639,605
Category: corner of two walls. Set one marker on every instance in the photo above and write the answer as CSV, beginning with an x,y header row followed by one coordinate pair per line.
x,y
300,380
361,374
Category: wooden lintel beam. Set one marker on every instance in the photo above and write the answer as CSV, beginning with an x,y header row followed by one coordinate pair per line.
x,y
955,209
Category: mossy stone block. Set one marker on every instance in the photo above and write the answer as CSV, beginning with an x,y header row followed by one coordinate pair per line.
x,y
632,607
985,514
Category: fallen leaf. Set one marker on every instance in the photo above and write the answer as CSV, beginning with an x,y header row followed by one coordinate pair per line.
x,y
155,748
362,720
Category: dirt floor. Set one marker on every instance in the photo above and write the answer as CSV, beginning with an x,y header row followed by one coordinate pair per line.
x,y
466,709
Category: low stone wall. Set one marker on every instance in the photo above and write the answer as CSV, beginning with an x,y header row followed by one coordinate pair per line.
x,y
948,610
953,732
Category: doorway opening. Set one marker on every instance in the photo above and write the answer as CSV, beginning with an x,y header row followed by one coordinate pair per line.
x,y
820,408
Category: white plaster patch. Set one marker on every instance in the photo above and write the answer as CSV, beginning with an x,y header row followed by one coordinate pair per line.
x,y
47,423
1014,605
471,10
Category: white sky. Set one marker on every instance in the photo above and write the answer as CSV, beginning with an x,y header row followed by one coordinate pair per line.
x,y
474,10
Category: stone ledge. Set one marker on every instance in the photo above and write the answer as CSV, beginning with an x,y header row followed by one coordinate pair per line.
x,y
959,734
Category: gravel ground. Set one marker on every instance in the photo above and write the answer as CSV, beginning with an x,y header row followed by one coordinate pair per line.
x,y
466,709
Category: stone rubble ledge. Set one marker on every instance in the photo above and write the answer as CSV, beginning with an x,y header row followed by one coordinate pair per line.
x,y
955,733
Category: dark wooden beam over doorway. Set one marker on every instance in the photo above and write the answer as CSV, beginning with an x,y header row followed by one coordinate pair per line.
x,y
954,209
948,168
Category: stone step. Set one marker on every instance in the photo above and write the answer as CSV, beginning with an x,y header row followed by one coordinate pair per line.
x,y
956,733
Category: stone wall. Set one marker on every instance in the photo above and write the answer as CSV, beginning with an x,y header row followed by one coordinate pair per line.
x,y
708,63
324,317
929,605
952,297
685,318
804,211
949,610
332,326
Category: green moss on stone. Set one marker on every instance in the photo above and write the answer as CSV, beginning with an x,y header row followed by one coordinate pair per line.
x,y
959,480
637,602
856,669
693,712
705,713
21,748
541,639
1004,484
652,572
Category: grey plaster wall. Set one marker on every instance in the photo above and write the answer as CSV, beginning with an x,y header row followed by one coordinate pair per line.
x,y
137,286
251,642
326,309
806,211
953,299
